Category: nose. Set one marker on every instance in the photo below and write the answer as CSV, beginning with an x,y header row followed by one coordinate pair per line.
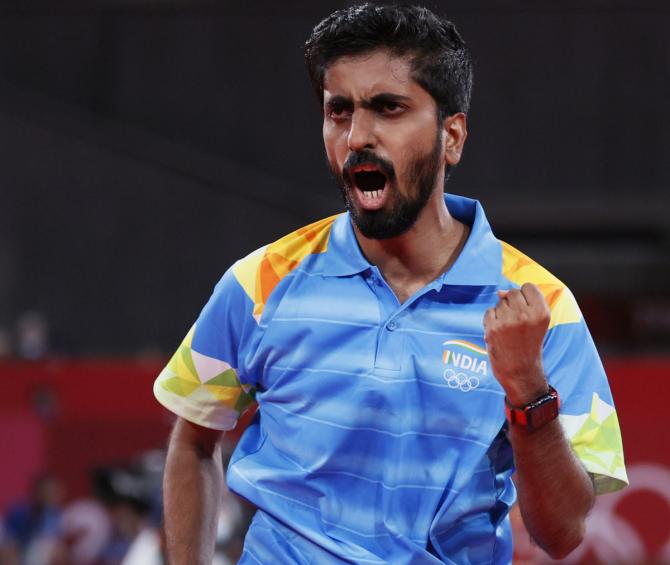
x,y
361,131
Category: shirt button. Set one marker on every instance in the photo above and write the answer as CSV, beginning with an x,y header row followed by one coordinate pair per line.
x,y
392,325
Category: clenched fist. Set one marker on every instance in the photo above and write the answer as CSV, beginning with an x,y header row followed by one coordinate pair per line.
x,y
514,331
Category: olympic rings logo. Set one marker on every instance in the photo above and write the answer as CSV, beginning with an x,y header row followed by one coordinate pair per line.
x,y
461,381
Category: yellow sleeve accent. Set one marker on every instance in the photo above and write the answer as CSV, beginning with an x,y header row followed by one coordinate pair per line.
x,y
596,440
520,269
261,271
245,272
202,389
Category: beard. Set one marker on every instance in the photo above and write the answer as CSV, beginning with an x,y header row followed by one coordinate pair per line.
x,y
421,175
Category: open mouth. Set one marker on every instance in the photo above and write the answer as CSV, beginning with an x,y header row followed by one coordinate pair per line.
x,y
370,181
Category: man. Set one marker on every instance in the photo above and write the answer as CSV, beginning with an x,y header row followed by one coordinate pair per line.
x,y
384,346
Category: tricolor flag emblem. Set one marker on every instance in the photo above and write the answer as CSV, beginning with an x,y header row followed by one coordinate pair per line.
x,y
465,355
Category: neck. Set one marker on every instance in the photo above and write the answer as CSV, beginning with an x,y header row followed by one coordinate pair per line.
x,y
417,257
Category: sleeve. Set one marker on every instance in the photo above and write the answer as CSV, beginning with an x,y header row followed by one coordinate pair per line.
x,y
202,381
587,411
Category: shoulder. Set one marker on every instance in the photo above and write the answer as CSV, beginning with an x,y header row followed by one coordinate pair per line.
x,y
262,270
518,269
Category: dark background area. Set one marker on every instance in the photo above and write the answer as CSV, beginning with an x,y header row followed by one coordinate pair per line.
x,y
145,146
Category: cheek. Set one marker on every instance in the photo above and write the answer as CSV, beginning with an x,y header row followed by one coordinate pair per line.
x,y
418,149
332,159
336,152
334,167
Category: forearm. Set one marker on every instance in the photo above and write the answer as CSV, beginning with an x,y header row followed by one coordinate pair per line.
x,y
191,494
555,492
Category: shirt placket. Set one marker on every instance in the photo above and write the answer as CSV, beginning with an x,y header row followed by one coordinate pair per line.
x,y
393,316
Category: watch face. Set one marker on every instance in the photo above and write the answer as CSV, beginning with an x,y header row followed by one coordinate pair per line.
x,y
545,411
535,414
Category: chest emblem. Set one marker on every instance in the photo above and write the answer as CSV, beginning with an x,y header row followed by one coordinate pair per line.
x,y
463,362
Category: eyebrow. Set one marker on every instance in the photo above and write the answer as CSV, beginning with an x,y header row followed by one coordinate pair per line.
x,y
369,103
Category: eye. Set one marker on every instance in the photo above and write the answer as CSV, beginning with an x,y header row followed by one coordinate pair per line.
x,y
338,112
388,107
391,108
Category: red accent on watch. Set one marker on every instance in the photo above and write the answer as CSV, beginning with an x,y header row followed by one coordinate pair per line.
x,y
535,414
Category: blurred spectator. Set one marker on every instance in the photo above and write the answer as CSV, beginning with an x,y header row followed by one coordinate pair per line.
x,y
86,532
120,526
9,554
129,496
32,336
145,549
32,525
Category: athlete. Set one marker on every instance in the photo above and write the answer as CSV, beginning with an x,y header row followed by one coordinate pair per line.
x,y
404,361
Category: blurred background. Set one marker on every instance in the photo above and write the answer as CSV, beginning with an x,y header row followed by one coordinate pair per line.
x,y
145,145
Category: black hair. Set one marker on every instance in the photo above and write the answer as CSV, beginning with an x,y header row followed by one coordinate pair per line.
x,y
440,61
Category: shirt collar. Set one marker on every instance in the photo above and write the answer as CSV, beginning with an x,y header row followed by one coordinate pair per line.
x,y
479,263
480,260
344,257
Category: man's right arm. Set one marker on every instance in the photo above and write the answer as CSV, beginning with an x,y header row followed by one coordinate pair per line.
x,y
192,488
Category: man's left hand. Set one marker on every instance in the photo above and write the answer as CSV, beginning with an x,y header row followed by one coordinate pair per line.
x,y
514,332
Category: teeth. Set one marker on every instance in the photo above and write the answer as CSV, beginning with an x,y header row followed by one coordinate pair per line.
x,y
371,194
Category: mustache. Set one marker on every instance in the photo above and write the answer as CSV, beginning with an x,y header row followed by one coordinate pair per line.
x,y
367,157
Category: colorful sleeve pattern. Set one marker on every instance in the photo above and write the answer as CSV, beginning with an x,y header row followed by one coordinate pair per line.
x,y
573,366
205,381
202,389
262,271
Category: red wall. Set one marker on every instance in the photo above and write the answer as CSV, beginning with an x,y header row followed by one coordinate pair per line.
x,y
70,416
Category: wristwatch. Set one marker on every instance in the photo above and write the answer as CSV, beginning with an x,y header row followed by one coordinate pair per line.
x,y
535,414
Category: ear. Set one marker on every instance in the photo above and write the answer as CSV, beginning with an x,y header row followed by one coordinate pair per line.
x,y
455,132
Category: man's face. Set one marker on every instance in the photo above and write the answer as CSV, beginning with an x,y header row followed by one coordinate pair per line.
x,y
383,141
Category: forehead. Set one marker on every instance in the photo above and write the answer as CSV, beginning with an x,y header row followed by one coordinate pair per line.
x,y
363,76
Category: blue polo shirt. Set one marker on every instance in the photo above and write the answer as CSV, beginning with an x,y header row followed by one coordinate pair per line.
x,y
380,431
